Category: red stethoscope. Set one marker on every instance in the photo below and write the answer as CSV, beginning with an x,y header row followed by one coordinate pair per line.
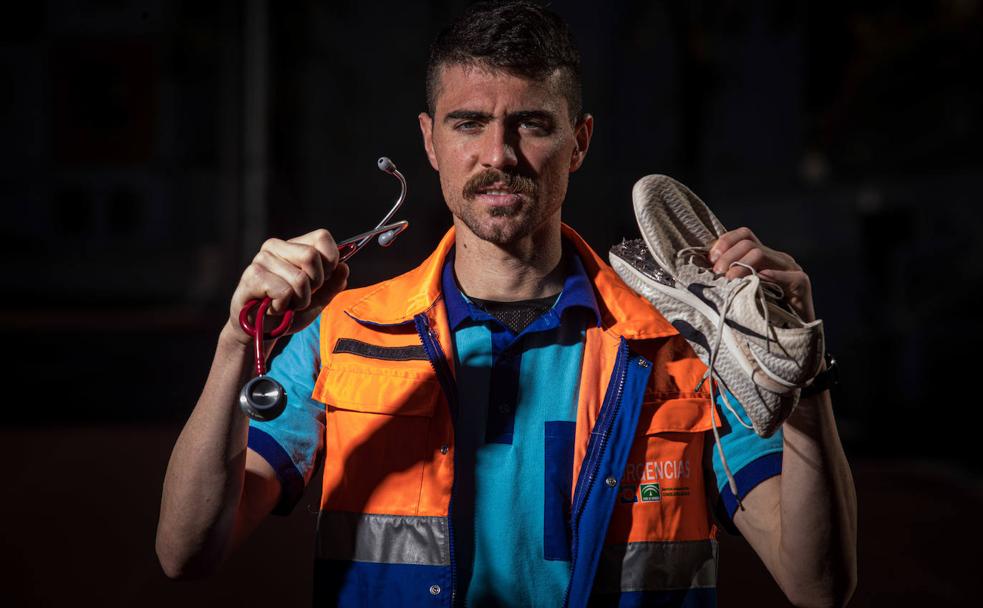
x,y
263,398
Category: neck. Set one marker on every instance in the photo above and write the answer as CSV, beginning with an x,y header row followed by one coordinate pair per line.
x,y
527,269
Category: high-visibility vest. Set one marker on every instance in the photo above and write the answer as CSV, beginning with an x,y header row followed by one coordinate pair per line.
x,y
641,530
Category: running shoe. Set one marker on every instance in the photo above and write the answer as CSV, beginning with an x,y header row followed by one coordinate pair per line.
x,y
755,347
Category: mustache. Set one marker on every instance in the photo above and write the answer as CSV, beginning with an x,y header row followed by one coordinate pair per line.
x,y
511,183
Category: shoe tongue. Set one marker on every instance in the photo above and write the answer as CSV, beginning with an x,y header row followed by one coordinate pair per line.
x,y
670,217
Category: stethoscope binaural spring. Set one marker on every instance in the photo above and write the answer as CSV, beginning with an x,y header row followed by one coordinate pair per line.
x,y
262,397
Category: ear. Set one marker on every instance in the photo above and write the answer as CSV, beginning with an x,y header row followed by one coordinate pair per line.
x,y
426,128
582,133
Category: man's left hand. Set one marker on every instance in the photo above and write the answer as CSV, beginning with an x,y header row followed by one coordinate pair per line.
x,y
742,246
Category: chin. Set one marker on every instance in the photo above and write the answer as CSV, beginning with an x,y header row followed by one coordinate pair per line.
x,y
503,231
504,227
499,233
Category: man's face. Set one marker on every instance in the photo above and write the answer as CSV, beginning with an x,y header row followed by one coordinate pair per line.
x,y
504,147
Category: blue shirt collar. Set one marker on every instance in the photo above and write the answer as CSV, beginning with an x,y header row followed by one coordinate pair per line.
x,y
577,292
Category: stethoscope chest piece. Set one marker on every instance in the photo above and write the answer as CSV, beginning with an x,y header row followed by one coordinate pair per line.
x,y
262,398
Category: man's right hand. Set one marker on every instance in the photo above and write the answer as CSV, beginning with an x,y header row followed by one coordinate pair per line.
x,y
216,489
302,274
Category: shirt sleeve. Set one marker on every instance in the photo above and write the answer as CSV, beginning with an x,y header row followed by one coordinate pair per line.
x,y
293,442
751,458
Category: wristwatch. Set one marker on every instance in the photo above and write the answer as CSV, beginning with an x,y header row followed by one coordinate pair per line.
x,y
825,379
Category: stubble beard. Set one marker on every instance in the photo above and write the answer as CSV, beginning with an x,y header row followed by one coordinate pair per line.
x,y
498,225
501,225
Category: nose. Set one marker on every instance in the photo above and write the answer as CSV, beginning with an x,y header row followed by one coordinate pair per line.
x,y
498,148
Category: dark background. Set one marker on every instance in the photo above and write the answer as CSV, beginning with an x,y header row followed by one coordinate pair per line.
x,y
149,147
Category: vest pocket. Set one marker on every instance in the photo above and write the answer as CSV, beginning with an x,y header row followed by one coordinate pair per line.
x,y
377,390
662,494
377,444
675,414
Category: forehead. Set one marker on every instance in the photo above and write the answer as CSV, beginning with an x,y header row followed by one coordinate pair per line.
x,y
462,87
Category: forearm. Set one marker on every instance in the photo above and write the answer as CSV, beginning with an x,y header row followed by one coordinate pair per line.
x,y
204,477
818,539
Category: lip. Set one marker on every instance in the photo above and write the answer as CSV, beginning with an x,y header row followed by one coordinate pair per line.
x,y
498,195
499,200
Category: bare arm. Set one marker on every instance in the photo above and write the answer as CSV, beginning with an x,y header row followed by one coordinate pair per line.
x,y
203,488
216,491
803,524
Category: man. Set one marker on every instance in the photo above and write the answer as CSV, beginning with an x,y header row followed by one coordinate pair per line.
x,y
508,423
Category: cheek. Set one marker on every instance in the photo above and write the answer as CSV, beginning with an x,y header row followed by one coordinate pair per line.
x,y
552,158
453,162
556,169
452,188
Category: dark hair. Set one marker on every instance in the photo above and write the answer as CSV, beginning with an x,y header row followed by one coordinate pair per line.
x,y
519,37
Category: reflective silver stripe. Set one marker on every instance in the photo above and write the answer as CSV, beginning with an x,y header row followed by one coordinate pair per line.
x,y
386,539
659,566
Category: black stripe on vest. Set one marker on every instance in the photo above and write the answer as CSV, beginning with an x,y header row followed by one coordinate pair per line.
x,y
374,351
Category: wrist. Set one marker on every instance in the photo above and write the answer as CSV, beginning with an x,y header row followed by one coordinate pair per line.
x,y
232,337
828,377
234,342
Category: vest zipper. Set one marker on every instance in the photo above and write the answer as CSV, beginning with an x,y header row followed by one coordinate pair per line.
x,y
438,361
613,400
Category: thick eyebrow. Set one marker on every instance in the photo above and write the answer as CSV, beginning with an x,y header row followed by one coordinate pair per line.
x,y
520,116
467,115
526,115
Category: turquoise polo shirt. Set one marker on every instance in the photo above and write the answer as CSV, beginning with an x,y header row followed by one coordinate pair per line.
x,y
514,440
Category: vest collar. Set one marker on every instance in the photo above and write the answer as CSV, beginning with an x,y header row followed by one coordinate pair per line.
x,y
398,300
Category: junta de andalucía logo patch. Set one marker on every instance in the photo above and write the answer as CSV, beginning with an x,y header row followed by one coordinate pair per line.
x,y
651,492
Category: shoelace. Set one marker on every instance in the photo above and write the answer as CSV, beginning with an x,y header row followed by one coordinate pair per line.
x,y
768,289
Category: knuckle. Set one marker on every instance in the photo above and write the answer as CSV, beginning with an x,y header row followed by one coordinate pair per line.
x,y
309,256
744,234
281,291
299,279
251,273
323,237
332,256
269,244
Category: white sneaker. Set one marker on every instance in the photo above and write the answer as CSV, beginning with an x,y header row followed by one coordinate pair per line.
x,y
754,346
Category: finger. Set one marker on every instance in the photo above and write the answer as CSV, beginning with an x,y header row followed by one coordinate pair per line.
x,y
324,243
335,284
757,259
798,290
729,239
791,281
757,256
733,254
258,282
320,298
296,277
304,257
